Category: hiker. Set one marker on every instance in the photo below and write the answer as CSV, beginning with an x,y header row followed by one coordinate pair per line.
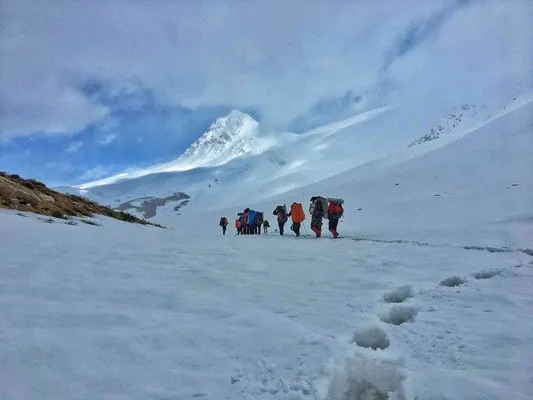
x,y
245,223
258,221
298,216
224,224
242,223
317,209
238,226
251,219
281,213
266,225
335,212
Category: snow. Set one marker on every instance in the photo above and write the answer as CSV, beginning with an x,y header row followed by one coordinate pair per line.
x,y
426,295
122,311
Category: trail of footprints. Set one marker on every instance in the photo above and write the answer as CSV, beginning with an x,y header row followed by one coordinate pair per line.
x,y
371,337
374,337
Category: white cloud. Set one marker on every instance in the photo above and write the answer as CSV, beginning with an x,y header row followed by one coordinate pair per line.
x,y
107,139
74,147
279,56
95,173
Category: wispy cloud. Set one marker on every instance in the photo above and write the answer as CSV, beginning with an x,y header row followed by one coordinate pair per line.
x,y
107,139
419,30
188,54
74,147
97,172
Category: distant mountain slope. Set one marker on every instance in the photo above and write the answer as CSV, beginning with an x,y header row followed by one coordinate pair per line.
x,y
370,142
462,119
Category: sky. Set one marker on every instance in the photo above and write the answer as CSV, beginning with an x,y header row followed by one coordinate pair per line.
x,y
88,89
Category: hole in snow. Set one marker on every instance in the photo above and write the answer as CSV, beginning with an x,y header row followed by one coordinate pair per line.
x,y
452,281
363,379
372,337
398,295
398,315
487,274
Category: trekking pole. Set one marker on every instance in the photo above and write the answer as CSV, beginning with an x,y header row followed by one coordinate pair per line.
x,y
306,230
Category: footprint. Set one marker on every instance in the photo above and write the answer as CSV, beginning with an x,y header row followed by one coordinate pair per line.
x,y
372,337
398,315
488,274
398,295
452,281
361,379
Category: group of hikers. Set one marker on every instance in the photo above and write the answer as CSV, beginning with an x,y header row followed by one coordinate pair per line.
x,y
249,222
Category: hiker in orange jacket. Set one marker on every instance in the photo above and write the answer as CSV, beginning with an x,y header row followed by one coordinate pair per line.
x,y
298,216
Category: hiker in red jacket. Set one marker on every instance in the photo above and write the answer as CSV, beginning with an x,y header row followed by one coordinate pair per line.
x,y
335,212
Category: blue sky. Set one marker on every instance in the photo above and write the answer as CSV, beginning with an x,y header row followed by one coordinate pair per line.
x,y
88,89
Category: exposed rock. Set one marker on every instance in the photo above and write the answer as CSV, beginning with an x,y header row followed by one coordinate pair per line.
x,y
30,195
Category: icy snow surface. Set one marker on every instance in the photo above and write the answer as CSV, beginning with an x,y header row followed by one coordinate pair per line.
x,y
427,295
131,312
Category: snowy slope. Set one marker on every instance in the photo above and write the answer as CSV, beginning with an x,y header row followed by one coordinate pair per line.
x,y
120,311
283,162
292,161
434,273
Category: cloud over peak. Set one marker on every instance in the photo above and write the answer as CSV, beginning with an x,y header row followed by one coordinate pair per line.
x,y
64,62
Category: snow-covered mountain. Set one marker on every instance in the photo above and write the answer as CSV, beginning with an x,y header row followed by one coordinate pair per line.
x,y
427,294
234,162
229,137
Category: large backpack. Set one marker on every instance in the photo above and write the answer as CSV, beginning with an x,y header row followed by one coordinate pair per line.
x,y
297,212
251,217
281,212
258,220
335,210
319,206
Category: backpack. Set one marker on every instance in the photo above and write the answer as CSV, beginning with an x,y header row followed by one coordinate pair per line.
x,y
335,210
251,217
281,212
223,221
318,206
297,212
266,224
258,220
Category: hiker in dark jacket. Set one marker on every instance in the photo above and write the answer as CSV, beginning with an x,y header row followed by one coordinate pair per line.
x,y
224,224
266,225
246,222
258,221
317,210
281,213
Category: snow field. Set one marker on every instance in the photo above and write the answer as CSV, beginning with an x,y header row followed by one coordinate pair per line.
x,y
120,311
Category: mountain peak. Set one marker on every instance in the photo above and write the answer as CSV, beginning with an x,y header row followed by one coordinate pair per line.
x,y
228,137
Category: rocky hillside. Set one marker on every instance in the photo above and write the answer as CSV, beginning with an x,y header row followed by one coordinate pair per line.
x,y
30,195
